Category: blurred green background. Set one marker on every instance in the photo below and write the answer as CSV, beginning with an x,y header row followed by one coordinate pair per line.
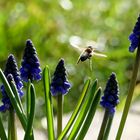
x,y
50,24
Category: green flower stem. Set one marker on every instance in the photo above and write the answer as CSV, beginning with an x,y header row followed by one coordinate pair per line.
x,y
59,113
77,109
108,127
28,133
90,116
13,100
28,98
9,127
103,126
83,112
2,131
48,103
129,95
13,130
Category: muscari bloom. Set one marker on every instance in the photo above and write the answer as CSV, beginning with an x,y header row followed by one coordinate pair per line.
x,y
30,66
110,99
60,84
135,36
12,74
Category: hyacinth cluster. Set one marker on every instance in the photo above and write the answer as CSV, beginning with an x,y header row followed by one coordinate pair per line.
x,y
111,94
12,74
60,84
135,36
30,66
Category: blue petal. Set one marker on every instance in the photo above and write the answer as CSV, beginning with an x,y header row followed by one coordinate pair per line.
x,y
2,108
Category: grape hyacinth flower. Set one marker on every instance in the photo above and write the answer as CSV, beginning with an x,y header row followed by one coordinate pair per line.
x,y
59,87
111,94
12,74
135,36
30,66
60,84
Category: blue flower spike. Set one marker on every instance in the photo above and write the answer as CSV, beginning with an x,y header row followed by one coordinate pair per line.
x,y
60,83
135,36
12,74
30,66
110,99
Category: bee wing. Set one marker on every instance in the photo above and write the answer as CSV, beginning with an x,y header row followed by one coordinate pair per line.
x,y
98,54
91,43
97,46
101,43
77,43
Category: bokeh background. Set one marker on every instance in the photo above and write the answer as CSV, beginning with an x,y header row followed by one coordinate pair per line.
x,y
50,24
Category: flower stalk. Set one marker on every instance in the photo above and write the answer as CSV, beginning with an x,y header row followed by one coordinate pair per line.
x,y
28,98
12,122
59,114
103,126
129,95
108,127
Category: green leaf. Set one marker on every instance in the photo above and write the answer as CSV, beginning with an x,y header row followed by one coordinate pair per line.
x,y
2,131
77,109
14,89
48,103
13,100
28,133
83,113
90,116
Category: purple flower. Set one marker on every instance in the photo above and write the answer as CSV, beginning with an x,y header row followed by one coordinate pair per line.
x,y
30,66
135,36
12,74
110,99
60,84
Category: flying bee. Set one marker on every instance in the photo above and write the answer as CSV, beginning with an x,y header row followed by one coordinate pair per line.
x,y
91,48
86,54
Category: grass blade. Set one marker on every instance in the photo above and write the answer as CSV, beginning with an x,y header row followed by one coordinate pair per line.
x,y
76,111
28,133
90,115
14,89
2,131
83,113
48,103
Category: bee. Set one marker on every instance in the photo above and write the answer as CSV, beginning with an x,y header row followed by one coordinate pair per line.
x,y
91,48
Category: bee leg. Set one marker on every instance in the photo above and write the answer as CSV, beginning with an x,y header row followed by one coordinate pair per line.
x,y
78,61
90,64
